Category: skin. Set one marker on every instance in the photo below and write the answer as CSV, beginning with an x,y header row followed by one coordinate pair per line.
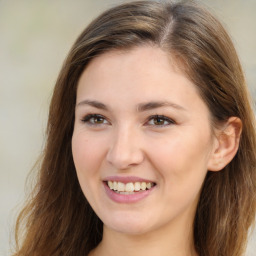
x,y
126,141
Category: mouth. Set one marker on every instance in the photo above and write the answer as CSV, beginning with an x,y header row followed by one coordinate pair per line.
x,y
129,187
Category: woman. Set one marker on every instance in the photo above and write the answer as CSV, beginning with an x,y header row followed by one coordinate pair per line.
x,y
151,141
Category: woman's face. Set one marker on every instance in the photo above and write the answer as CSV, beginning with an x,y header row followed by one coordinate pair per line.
x,y
142,141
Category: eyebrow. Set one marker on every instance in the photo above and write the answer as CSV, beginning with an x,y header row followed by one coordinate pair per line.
x,y
158,104
93,103
140,108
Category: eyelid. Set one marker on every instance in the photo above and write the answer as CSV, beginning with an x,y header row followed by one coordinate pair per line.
x,y
164,118
87,118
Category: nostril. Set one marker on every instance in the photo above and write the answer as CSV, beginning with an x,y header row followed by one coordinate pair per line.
x,y
125,149
124,160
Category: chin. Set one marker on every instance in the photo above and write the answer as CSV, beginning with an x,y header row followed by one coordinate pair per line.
x,y
128,224
130,229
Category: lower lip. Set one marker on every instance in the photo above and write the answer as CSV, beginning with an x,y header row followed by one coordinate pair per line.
x,y
130,198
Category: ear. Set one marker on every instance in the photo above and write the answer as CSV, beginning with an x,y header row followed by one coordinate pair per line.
x,y
226,143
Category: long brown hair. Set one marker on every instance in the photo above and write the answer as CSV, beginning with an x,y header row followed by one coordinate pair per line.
x,y
58,220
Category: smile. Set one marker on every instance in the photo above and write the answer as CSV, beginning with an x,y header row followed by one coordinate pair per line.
x,y
130,187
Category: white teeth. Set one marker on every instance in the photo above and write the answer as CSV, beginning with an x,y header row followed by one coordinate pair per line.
x,y
120,187
115,185
137,186
110,184
143,186
129,187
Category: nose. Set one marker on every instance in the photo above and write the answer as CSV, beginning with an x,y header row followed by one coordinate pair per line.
x,y
125,149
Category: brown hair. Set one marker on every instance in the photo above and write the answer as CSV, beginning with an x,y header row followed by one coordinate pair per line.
x,y
58,220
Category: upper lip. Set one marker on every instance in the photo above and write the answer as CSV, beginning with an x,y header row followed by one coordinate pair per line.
x,y
127,179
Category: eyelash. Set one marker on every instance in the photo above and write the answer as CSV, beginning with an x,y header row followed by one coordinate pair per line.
x,y
162,118
88,119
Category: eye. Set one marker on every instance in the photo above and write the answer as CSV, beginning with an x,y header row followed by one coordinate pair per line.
x,y
159,120
95,119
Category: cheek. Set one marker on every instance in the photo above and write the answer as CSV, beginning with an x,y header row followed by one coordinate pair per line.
x,y
87,156
182,163
86,151
181,149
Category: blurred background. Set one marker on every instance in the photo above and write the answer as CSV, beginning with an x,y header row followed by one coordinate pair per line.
x,y
35,37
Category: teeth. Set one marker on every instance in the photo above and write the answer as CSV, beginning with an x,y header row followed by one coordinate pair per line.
x,y
129,187
110,184
143,185
137,186
120,187
115,185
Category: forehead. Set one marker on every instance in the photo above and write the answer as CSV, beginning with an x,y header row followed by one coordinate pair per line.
x,y
132,65
143,54
123,80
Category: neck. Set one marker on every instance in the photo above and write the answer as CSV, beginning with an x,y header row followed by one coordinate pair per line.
x,y
171,240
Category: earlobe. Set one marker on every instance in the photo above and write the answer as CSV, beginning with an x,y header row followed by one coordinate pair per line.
x,y
226,144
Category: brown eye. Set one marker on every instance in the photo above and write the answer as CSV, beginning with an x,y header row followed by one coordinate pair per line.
x,y
97,120
94,119
158,120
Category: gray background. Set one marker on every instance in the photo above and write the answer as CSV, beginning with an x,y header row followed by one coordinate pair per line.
x,y
35,37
